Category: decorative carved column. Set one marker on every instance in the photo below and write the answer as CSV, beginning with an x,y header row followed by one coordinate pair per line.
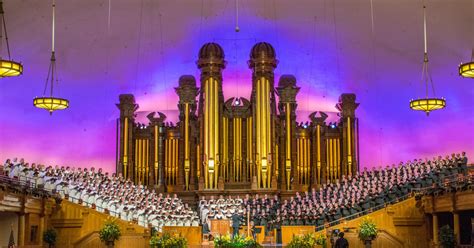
x,y
319,148
187,92
263,62
347,107
287,91
127,107
156,144
211,63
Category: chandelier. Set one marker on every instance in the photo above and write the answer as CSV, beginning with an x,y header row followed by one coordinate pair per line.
x,y
51,103
427,104
467,69
8,67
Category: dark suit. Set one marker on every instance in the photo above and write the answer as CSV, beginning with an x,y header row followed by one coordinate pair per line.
x,y
235,224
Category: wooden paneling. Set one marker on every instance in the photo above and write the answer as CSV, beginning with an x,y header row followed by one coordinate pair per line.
x,y
193,234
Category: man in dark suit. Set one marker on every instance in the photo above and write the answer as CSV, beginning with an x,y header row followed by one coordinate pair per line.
x,y
341,242
236,219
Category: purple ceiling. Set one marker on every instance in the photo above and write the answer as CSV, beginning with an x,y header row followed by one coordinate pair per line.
x,y
329,45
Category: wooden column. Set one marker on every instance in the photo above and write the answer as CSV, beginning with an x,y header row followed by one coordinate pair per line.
x,y
457,232
21,229
435,229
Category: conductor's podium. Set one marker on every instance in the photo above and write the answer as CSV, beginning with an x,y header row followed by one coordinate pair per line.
x,y
222,227
193,234
287,232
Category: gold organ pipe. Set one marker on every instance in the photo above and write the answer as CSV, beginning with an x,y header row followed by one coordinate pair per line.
x,y
198,159
264,132
125,147
216,131
136,161
206,133
298,165
146,163
338,154
175,156
276,161
318,151
249,148
334,152
307,161
172,161
156,155
166,161
186,131
327,160
142,158
349,148
140,164
288,132
258,156
224,148
331,160
211,119
241,169
234,147
186,145
305,169
268,135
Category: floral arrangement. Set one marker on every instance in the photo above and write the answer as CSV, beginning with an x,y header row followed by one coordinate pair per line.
x,y
305,241
321,240
168,241
110,232
367,229
236,242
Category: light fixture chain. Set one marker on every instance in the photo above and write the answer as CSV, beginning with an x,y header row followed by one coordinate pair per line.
x,y
424,29
237,29
47,79
1,31
6,35
53,26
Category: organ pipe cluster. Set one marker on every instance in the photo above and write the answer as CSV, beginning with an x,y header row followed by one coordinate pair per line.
x,y
237,143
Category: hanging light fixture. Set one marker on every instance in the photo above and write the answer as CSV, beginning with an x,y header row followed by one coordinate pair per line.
x,y
467,69
8,67
427,104
51,103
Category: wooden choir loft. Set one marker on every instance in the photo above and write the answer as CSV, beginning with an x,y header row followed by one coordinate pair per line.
x,y
237,145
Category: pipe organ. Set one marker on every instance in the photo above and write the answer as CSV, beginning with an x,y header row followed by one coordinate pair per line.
x,y
237,143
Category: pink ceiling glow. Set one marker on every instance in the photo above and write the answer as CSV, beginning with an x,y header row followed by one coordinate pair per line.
x,y
329,45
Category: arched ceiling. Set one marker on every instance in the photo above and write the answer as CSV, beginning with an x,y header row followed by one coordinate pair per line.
x,y
330,46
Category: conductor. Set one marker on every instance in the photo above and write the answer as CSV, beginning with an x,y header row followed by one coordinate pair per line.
x,y
236,219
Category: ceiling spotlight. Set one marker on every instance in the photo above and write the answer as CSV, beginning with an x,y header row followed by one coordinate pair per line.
x,y
332,125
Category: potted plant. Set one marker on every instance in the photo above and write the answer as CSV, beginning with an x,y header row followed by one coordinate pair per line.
x,y
236,242
110,233
305,241
446,237
168,241
321,240
367,231
49,237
